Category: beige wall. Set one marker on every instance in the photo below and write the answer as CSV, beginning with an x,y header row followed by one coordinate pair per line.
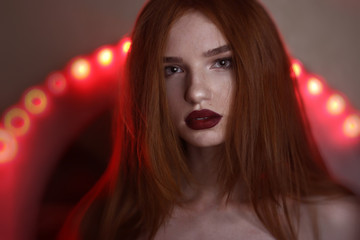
x,y
40,36
324,34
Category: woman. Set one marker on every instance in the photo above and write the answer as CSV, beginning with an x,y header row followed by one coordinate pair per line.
x,y
210,139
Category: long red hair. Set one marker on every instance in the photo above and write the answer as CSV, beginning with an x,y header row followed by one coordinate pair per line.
x,y
268,147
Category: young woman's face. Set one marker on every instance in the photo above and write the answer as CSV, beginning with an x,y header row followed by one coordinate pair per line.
x,y
199,80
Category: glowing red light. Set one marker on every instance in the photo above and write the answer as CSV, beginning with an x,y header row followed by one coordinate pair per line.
x,y
35,101
126,46
335,104
351,126
80,69
8,146
57,83
17,121
314,86
105,57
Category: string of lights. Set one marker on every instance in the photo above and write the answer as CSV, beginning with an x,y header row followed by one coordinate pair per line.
x,y
331,107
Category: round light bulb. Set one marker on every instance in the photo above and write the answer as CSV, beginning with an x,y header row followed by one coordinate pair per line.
x,y
80,69
17,121
8,146
351,126
35,101
314,86
335,104
296,69
57,83
105,57
126,46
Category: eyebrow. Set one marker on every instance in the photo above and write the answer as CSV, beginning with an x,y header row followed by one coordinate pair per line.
x,y
216,51
173,60
209,53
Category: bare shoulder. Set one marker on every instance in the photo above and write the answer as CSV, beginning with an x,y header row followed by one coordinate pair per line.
x,y
337,218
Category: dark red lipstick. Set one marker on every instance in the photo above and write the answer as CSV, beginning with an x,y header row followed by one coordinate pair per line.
x,y
202,119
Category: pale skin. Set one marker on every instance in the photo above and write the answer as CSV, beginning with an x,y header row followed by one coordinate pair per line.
x,y
198,75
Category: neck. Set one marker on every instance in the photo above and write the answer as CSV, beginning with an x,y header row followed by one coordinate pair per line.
x,y
203,165
205,191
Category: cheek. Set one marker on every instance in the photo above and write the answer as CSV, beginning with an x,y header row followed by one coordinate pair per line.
x,y
174,109
174,96
224,93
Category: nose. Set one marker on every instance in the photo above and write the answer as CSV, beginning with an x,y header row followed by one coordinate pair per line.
x,y
197,89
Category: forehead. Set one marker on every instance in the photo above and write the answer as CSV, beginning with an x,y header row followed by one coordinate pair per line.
x,y
193,32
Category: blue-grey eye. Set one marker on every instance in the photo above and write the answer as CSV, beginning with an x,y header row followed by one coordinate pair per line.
x,y
170,70
223,63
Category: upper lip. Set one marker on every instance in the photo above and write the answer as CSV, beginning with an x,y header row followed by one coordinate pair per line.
x,y
199,114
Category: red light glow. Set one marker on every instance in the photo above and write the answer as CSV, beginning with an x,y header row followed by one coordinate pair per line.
x,y
126,46
8,146
56,83
335,104
35,101
2,145
351,126
17,121
80,69
314,86
105,57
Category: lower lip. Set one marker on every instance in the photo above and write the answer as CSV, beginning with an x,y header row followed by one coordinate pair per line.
x,y
203,123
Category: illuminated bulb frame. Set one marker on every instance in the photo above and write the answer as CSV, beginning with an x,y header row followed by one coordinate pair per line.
x,y
81,68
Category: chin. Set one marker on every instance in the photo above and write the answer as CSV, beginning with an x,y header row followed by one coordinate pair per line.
x,y
206,145
203,141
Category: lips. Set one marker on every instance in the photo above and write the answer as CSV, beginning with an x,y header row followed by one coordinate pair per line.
x,y
202,119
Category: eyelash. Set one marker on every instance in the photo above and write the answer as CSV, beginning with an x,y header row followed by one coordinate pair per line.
x,y
170,70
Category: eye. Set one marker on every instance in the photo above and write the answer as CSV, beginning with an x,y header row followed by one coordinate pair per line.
x,y
224,63
170,70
